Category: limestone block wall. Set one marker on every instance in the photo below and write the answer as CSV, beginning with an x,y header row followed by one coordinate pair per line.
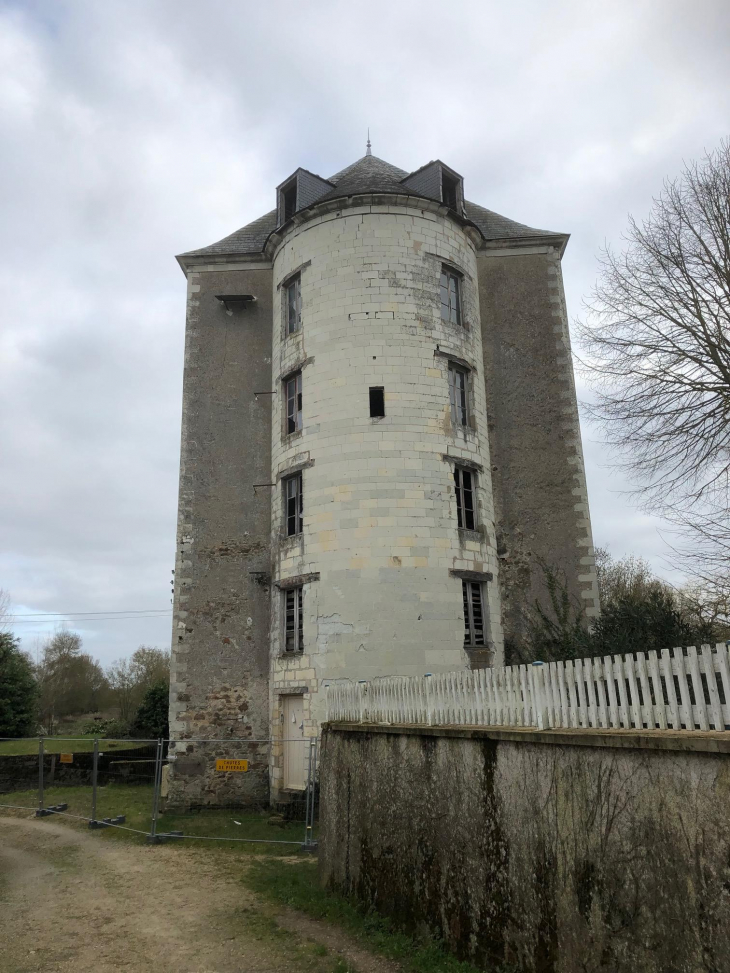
x,y
540,495
220,641
380,529
545,852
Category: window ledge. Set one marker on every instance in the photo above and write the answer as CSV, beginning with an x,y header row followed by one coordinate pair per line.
x,y
471,534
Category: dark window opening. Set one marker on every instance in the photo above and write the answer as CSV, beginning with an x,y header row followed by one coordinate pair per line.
x,y
450,297
465,513
293,387
377,403
294,305
289,198
294,504
449,191
459,395
473,613
294,620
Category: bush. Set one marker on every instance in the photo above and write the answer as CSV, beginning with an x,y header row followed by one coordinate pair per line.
x,y
151,719
108,729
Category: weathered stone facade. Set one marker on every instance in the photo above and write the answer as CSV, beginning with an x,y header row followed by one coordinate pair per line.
x,y
379,559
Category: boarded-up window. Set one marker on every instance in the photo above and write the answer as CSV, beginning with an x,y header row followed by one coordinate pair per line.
x,y
473,613
294,620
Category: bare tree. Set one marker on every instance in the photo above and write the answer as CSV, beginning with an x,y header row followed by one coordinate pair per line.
x,y
657,341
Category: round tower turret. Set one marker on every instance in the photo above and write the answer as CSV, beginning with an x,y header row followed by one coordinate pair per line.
x,y
383,543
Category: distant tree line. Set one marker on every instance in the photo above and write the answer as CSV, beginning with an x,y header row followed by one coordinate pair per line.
x,y
37,697
639,611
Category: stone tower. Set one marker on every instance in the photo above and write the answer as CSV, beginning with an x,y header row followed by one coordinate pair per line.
x,y
380,442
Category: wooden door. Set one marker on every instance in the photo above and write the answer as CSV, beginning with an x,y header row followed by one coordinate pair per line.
x,y
295,747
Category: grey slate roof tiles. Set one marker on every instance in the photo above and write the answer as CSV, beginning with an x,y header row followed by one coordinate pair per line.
x,y
367,175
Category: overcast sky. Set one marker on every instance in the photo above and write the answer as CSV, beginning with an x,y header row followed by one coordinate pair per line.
x,y
132,131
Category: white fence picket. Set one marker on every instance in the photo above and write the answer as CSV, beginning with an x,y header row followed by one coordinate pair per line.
x,y
678,689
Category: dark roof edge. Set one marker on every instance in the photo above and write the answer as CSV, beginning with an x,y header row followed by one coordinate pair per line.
x,y
548,238
309,173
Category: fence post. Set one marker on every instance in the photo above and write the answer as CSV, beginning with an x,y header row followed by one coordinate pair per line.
x,y
309,843
152,838
41,753
539,712
94,775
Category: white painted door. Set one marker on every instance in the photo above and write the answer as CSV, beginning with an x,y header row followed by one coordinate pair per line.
x,y
294,744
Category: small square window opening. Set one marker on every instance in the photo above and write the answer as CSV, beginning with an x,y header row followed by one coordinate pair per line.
x,y
293,504
450,296
473,613
294,305
294,620
465,511
293,390
459,395
377,403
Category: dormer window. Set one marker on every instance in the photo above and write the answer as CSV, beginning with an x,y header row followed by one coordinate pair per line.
x,y
289,200
449,190
298,192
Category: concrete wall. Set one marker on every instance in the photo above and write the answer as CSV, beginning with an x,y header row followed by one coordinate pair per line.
x,y
380,528
540,496
220,643
570,851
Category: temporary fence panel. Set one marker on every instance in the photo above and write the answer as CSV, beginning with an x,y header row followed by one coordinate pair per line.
x,y
220,791
679,689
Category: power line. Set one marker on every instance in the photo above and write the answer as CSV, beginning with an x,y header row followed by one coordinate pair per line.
x,y
93,618
101,611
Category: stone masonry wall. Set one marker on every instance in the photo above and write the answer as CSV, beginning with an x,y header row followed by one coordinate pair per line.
x,y
553,852
541,501
380,529
220,644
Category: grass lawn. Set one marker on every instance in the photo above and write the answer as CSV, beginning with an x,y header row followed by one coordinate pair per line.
x,y
18,748
135,802
297,885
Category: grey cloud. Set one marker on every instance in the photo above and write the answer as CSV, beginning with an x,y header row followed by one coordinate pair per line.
x,y
131,131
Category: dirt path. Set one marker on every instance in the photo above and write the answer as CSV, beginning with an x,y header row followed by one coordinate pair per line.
x,y
71,903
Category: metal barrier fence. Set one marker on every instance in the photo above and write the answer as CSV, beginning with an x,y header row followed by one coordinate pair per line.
x,y
255,791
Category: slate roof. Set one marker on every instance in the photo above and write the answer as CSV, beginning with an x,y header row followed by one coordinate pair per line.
x,y
367,175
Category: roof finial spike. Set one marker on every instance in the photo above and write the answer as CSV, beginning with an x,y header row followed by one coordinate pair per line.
x,y
368,150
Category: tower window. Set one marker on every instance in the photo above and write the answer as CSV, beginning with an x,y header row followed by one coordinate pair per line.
x,y
377,403
465,512
449,191
294,620
293,504
459,395
294,305
450,297
289,200
473,613
293,389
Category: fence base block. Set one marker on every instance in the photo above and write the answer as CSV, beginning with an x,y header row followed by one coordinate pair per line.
x,y
46,812
160,839
107,822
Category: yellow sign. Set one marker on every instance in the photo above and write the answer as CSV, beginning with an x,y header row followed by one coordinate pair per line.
x,y
236,765
67,758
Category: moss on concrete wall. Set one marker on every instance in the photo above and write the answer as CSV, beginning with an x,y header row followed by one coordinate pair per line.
x,y
538,856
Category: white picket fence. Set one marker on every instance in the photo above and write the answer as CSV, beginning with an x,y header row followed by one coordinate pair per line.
x,y
680,689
